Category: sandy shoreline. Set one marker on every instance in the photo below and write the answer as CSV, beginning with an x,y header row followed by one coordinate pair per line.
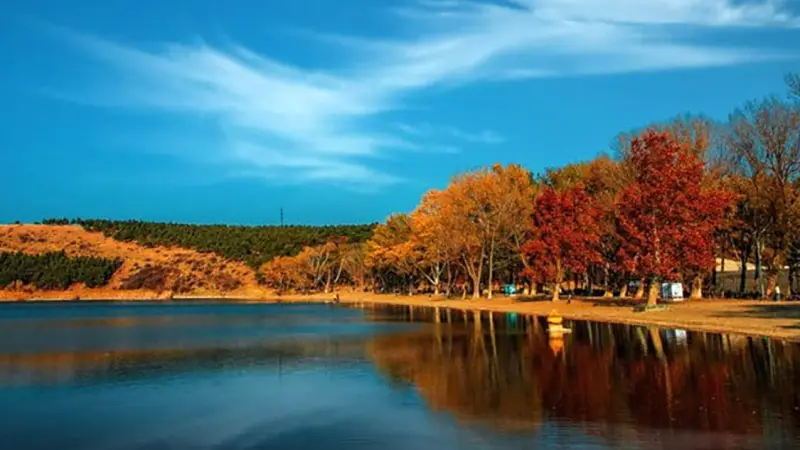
x,y
751,317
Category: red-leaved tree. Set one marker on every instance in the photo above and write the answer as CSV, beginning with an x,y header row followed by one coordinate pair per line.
x,y
565,236
667,215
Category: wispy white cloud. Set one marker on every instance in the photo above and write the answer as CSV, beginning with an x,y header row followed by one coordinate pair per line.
x,y
483,137
434,133
284,122
469,40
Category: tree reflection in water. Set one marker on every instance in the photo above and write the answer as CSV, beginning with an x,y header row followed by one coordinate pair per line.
x,y
626,385
510,374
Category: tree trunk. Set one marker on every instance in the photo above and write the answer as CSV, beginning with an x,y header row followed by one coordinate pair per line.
x,y
491,270
556,292
715,277
449,286
557,285
697,288
640,289
743,271
760,270
652,294
328,281
338,274
623,290
475,272
607,292
588,281
434,278
787,252
773,278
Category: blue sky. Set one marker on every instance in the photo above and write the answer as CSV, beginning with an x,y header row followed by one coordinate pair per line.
x,y
343,111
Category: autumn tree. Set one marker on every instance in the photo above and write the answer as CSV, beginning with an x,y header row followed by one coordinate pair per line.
x,y
353,261
565,235
284,273
764,148
604,181
695,134
517,227
319,267
746,226
793,81
510,213
487,208
322,264
794,262
601,178
458,213
701,137
432,239
390,252
666,216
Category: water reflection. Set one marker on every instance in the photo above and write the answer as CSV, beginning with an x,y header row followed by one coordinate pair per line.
x,y
238,376
43,344
510,374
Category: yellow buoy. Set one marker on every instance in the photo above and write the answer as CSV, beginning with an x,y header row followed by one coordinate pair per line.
x,y
555,324
554,319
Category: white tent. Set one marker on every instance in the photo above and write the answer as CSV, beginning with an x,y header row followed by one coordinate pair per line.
x,y
672,292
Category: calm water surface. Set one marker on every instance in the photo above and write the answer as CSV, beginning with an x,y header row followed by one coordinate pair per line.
x,y
238,376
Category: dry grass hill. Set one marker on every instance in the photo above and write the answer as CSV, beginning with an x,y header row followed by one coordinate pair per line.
x,y
158,272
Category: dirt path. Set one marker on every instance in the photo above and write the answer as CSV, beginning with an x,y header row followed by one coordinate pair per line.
x,y
761,318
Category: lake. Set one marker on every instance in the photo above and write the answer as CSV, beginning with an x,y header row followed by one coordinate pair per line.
x,y
199,375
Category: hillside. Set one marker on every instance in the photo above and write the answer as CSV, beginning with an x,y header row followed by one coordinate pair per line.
x,y
253,245
146,272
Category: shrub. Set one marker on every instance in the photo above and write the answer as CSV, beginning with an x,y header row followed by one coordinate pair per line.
x,y
55,270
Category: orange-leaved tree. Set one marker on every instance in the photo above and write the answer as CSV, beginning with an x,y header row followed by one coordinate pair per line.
x,y
323,263
667,215
565,235
486,209
432,239
458,214
390,253
353,260
284,273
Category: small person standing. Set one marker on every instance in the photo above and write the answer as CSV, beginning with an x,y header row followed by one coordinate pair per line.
x,y
777,293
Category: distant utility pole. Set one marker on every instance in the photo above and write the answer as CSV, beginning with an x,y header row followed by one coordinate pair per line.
x,y
281,216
